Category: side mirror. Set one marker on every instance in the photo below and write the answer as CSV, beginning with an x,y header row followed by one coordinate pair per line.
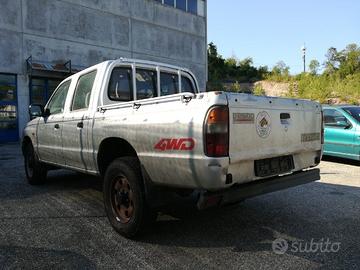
x,y
36,110
343,124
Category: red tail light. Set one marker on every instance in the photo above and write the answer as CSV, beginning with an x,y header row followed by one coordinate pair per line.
x,y
216,130
322,127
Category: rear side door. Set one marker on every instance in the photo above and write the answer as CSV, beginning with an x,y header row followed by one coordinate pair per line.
x,y
77,125
50,128
339,138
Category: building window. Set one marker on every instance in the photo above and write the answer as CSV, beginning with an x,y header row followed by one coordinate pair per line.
x,y
181,4
191,6
41,89
7,87
169,2
8,108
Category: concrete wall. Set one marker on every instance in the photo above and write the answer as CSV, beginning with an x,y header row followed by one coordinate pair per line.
x,y
90,31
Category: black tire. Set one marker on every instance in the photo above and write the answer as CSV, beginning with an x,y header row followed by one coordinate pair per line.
x,y
34,169
124,198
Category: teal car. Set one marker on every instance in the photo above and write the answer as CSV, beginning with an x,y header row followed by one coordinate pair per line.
x,y
342,131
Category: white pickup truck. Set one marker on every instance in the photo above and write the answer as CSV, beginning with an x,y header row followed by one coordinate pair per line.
x,y
146,129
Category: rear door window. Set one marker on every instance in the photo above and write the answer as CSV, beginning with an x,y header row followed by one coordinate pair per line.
x,y
169,84
81,99
146,83
120,85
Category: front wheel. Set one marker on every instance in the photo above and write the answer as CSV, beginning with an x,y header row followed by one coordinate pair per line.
x,y
35,170
124,198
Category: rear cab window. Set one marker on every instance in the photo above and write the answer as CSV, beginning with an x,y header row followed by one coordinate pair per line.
x,y
121,85
187,85
146,83
130,82
169,83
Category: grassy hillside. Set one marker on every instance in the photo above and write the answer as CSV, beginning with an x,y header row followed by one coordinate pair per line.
x,y
339,80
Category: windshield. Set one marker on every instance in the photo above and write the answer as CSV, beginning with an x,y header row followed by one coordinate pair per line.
x,y
354,112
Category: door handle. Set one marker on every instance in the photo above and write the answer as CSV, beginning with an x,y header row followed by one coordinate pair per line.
x,y
136,106
80,125
57,126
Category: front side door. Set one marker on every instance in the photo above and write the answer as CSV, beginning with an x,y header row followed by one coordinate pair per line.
x,y
50,128
339,134
77,124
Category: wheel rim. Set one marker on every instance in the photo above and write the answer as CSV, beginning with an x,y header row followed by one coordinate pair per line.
x,y
30,163
122,199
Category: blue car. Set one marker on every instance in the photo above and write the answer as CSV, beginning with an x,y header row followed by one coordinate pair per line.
x,y
342,131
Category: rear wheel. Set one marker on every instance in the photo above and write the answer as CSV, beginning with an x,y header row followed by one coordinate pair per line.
x,y
124,198
35,170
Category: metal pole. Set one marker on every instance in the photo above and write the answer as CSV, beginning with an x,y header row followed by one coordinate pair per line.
x,y
304,58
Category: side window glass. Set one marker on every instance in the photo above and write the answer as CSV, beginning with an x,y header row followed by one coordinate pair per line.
x,y
146,83
83,89
169,84
57,102
186,85
333,118
120,85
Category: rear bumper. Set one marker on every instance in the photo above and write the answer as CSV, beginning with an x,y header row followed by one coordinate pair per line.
x,y
248,190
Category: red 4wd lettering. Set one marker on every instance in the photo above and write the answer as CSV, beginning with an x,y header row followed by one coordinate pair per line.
x,y
183,144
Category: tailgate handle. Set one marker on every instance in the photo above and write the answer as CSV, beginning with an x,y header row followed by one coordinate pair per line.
x,y
284,116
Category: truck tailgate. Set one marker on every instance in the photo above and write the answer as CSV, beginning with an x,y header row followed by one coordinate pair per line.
x,y
265,127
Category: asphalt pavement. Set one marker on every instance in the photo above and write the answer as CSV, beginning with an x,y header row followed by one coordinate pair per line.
x,y
62,225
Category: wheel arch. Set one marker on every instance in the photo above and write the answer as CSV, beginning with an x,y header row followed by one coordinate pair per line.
x,y
112,148
25,142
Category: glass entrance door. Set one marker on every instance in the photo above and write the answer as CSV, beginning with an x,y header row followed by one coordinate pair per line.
x,y
9,131
41,89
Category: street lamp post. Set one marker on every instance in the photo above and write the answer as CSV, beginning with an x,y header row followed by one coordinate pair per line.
x,y
303,49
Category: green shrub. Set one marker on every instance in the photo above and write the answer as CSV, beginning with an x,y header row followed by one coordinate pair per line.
x,y
258,90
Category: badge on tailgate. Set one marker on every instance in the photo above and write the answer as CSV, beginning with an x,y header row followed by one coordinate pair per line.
x,y
263,124
243,118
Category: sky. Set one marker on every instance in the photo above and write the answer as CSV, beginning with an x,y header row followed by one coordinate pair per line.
x,y
271,31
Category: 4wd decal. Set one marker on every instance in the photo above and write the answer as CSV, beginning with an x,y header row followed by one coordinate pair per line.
x,y
183,144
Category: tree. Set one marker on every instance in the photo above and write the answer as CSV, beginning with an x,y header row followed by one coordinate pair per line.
x,y
281,69
231,67
216,64
332,60
349,60
314,66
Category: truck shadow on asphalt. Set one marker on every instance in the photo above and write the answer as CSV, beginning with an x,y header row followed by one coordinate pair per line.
x,y
316,211
16,257
57,181
313,211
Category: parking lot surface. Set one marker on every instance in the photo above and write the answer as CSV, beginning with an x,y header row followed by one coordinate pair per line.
x,y
62,225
